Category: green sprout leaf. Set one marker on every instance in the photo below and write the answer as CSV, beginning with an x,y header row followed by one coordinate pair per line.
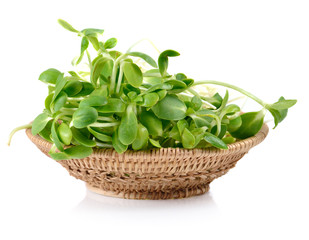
x,y
110,43
145,57
49,76
128,127
163,60
215,141
67,26
39,123
170,108
84,116
133,74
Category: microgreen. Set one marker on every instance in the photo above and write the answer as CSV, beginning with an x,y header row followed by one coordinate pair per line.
x,y
117,103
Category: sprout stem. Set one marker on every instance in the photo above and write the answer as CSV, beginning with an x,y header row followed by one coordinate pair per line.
x,y
250,95
17,129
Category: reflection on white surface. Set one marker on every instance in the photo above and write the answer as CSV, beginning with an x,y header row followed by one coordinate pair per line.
x,y
93,202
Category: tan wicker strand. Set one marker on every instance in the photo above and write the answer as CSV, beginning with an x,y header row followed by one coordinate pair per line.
x,y
154,174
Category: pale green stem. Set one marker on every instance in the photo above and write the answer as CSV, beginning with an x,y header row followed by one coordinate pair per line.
x,y
104,145
114,73
119,78
105,118
144,39
250,95
18,129
89,59
96,124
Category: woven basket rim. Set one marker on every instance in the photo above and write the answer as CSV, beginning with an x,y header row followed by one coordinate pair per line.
x,y
239,146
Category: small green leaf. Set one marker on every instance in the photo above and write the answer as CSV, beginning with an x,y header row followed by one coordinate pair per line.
x,y
118,146
64,133
97,69
110,43
84,116
60,83
155,143
196,103
163,60
48,101
67,26
92,31
187,139
150,99
141,138
283,104
49,76
73,87
86,90
39,123
152,123
94,41
46,132
215,141
84,45
251,124
78,152
170,108
55,137
145,57
99,135
60,101
93,101
80,136
114,105
133,74
128,127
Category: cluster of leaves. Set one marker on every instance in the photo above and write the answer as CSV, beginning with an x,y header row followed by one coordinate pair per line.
x,y
117,105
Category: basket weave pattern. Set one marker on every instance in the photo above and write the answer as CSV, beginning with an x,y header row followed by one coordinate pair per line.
x,y
154,174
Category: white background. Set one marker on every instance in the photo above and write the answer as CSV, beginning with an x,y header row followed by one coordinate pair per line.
x,y
262,46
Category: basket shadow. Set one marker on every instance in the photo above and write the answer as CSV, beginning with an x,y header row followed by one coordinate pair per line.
x,y
102,205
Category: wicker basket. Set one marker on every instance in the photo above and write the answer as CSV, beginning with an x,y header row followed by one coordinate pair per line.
x,y
155,174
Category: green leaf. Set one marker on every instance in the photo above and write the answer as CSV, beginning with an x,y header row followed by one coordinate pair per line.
x,y
279,115
128,127
152,123
60,101
84,116
283,104
39,123
93,101
234,124
181,125
163,60
64,133
150,99
99,135
49,76
55,137
67,26
187,139
145,57
118,146
215,141
133,74
86,90
251,124
78,152
60,83
155,143
110,43
48,101
141,139
92,31
196,103
170,108
84,45
80,136
73,87
97,69
94,41
114,105
46,132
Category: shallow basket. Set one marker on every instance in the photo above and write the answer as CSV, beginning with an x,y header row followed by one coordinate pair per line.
x,y
154,174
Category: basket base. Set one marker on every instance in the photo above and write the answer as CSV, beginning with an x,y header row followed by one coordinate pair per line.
x,y
181,193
